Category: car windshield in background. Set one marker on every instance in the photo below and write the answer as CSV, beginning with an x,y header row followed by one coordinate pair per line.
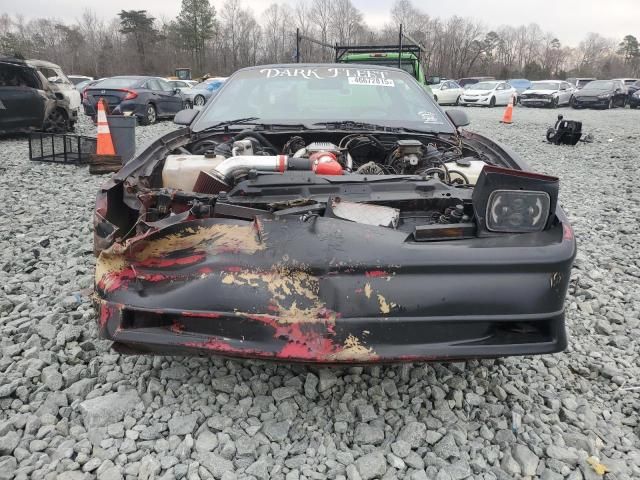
x,y
117,83
582,83
599,85
406,65
308,95
545,86
483,86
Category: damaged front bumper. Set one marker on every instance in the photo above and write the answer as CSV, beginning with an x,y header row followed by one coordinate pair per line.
x,y
330,291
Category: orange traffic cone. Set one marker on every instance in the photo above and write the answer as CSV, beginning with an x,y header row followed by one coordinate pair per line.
x,y
105,143
105,159
508,113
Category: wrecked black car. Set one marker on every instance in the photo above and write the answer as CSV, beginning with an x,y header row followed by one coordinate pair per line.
x,y
330,214
29,102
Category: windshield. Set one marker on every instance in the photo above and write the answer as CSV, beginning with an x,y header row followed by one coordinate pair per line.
x,y
483,86
545,86
318,94
599,85
582,83
117,83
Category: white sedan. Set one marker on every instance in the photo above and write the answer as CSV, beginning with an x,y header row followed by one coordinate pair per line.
x,y
447,92
489,94
547,93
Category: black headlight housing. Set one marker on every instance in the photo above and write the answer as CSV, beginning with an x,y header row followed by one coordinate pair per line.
x,y
513,201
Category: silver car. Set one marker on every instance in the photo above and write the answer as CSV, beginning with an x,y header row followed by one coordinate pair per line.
x,y
203,91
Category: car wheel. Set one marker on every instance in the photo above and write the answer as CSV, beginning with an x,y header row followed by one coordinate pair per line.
x,y
199,101
56,122
187,105
633,106
457,101
572,102
555,102
435,98
492,102
150,115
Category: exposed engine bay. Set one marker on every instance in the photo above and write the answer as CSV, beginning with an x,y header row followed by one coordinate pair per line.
x,y
345,175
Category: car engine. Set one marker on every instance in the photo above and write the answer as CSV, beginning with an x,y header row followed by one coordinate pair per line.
x,y
208,175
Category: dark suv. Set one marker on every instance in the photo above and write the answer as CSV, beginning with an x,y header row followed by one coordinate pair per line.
x,y
29,102
148,98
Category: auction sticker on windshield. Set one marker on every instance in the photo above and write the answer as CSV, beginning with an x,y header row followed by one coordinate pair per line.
x,y
381,82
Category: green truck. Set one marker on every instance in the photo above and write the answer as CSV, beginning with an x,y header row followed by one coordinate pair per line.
x,y
406,57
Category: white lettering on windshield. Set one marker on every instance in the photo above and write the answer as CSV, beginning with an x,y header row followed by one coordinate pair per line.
x,y
308,73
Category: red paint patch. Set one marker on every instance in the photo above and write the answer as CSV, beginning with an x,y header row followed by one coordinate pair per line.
x,y
171,262
233,269
376,273
176,327
567,232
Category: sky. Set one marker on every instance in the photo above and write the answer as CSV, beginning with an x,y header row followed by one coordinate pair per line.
x,y
569,21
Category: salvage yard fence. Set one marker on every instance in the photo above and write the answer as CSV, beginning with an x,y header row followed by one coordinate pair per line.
x,y
61,148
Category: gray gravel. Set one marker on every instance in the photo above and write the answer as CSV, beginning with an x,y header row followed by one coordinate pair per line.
x,y
71,409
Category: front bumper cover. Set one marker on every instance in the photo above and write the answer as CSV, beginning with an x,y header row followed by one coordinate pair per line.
x,y
333,292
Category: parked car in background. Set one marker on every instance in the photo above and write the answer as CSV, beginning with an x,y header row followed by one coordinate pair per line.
x,y
203,91
148,98
627,81
80,86
520,84
77,79
601,94
28,101
547,93
488,94
578,83
60,83
631,90
465,82
447,92
181,83
634,99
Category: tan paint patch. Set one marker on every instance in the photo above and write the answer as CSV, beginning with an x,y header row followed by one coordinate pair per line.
x,y
385,307
107,264
367,290
283,284
214,239
354,350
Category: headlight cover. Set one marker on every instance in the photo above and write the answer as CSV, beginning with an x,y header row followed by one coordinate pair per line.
x,y
513,201
515,211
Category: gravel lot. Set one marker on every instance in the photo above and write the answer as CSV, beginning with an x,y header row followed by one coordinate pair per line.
x,y
71,409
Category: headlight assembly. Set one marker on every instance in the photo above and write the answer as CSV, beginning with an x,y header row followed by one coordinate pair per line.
x,y
604,95
517,211
513,201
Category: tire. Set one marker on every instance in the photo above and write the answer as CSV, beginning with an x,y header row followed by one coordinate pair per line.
x,y
435,98
572,102
187,105
457,101
150,115
633,106
492,102
199,101
610,105
555,103
56,122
